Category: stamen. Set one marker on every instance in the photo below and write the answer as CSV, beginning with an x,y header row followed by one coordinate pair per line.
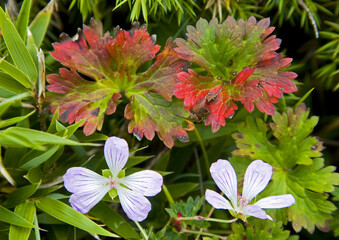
x,y
243,201
113,183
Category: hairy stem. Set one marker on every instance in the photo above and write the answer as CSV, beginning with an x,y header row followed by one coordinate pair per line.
x,y
144,234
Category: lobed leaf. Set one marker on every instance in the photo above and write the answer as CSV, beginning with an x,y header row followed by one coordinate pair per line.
x,y
264,230
102,69
241,65
151,113
297,168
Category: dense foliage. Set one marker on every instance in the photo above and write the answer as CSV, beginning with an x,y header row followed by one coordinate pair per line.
x,y
190,83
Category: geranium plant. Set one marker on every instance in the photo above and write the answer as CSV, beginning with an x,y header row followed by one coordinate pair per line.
x,y
109,131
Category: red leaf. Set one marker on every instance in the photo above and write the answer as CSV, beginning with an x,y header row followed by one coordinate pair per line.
x,y
241,58
116,65
222,107
130,50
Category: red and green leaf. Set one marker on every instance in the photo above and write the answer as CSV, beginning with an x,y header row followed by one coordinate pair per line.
x,y
150,113
102,67
240,57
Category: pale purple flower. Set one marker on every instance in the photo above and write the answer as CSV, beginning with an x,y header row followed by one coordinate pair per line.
x,y
257,176
89,188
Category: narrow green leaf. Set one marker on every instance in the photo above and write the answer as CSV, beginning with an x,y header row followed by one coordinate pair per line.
x,y
32,49
10,84
4,104
23,18
16,140
11,121
40,23
17,136
64,213
16,47
52,125
27,211
301,100
13,218
16,73
114,221
4,107
144,10
34,175
29,163
20,195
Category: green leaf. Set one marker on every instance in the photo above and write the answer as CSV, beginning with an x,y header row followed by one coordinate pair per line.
x,y
40,23
34,175
52,125
20,195
297,169
114,221
189,208
259,229
301,100
17,48
30,160
64,213
13,99
13,218
27,211
23,18
16,73
5,104
9,83
24,137
11,121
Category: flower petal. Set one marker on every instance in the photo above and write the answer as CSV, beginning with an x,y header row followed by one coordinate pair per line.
x,y
279,201
224,176
257,176
255,211
216,200
116,154
135,205
147,182
84,201
88,188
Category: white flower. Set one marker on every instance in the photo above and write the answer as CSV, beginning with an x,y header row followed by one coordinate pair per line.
x,y
257,176
89,188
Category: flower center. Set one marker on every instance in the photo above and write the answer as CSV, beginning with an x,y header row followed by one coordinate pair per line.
x,y
113,183
242,202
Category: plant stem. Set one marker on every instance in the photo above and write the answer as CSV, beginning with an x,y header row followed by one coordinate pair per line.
x,y
199,218
168,194
207,163
141,230
203,233
208,215
200,175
